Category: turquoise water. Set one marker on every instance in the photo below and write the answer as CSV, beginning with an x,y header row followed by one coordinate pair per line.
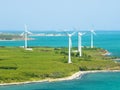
x,y
94,81
109,40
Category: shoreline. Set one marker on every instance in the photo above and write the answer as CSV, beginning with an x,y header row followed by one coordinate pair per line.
x,y
107,53
74,76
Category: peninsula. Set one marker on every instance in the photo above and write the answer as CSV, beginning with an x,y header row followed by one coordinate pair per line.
x,y
19,65
11,37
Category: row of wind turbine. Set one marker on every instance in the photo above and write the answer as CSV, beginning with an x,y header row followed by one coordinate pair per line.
x,y
80,34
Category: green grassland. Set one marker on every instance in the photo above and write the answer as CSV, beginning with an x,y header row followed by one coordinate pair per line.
x,y
17,64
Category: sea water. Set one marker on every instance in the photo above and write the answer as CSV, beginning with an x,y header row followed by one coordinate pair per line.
x,y
109,40
93,81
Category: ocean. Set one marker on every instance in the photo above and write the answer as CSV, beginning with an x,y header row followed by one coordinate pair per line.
x,y
93,81
109,40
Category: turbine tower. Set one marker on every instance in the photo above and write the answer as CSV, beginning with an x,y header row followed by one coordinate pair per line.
x,y
80,43
25,36
70,46
92,33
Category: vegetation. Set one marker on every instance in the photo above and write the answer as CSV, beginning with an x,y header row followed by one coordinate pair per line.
x,y
11,37
17,64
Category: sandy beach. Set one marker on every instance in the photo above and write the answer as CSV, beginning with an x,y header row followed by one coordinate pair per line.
x,y
74,76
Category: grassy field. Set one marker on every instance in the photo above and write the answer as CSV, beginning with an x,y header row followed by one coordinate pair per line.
x,y
17,64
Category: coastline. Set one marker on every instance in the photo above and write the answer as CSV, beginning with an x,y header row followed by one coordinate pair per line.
x,y
107,53
3,40
74,76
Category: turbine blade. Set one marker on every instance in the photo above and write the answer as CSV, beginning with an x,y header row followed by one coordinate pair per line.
x,y
28,32
22,34
83,33
80,34
66,32
73,33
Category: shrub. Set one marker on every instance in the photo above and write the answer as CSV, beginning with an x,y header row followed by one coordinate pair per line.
x,y
43,76
30,74
72,54
56,75
83,68
77,54
8,67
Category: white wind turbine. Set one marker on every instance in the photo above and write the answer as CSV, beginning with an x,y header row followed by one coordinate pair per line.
x,y
70,46
26,33
80,43
92,39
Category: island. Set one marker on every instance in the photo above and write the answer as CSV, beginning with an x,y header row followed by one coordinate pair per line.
x,y
19,65
12,37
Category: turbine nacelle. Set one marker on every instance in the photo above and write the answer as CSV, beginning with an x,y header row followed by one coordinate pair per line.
x,y
29,33
70,35
92,31
22,34
26,31
80,34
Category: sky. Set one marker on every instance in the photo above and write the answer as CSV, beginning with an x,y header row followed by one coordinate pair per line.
x,y
60,14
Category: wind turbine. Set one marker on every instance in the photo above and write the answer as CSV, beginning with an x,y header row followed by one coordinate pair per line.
x,y
80,43
70,46
92,33
26,33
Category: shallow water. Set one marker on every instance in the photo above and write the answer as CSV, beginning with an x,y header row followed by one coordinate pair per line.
x,y
93,81
109,40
